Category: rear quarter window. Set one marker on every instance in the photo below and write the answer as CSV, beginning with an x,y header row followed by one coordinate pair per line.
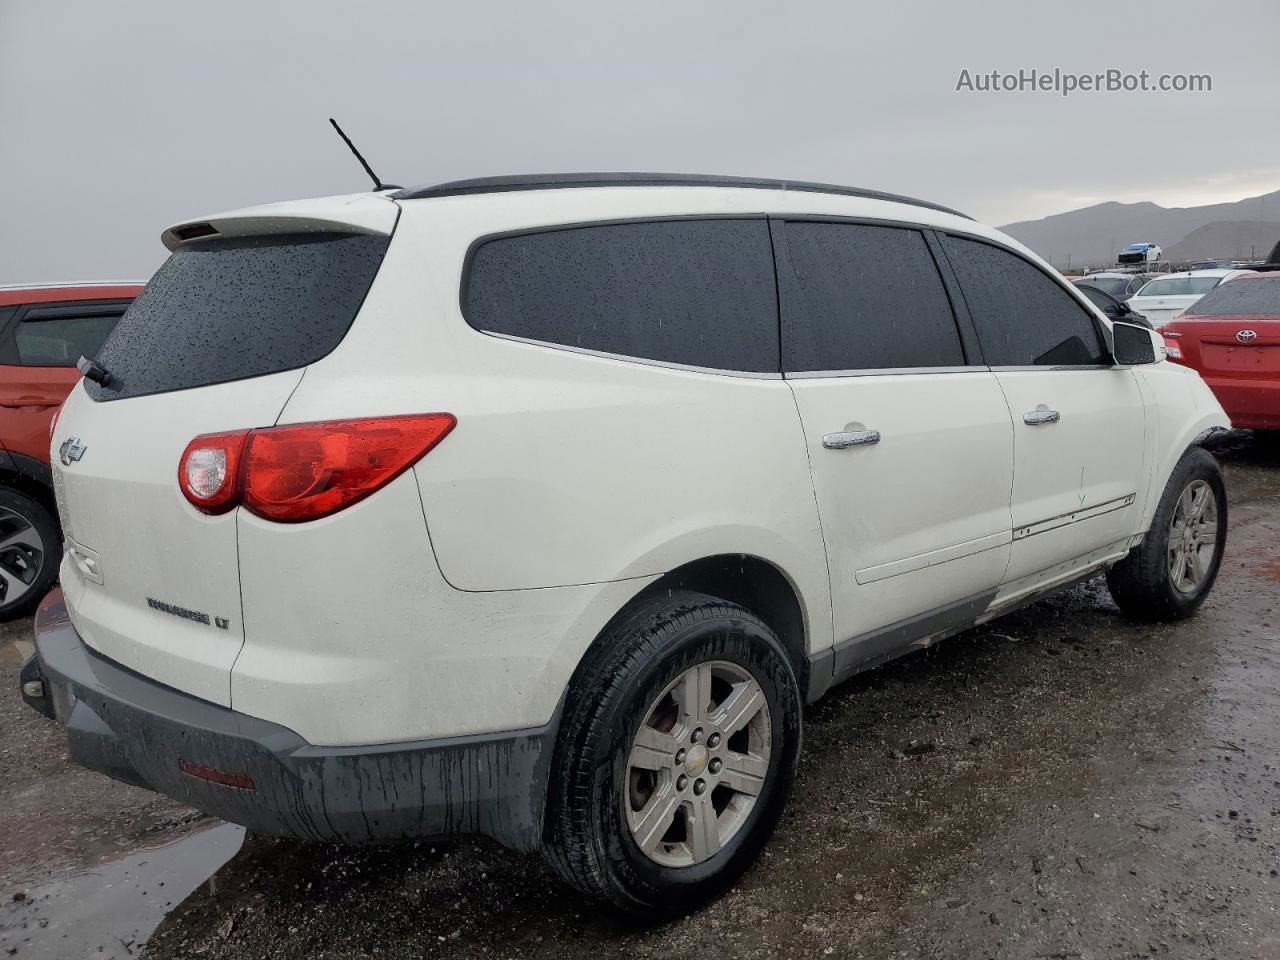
x,y
229,308
695,292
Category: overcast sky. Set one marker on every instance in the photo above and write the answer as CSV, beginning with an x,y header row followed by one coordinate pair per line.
x,y
120,118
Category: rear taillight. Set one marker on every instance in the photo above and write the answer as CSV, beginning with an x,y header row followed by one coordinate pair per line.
x,y
305,471
209,471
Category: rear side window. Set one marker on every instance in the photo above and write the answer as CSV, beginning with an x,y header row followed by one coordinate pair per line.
x,y
1240,296
1023,317
860,297
228,308
694,292
58,335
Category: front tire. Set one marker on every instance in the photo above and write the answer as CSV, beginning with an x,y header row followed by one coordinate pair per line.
x,y
677,750
1168,575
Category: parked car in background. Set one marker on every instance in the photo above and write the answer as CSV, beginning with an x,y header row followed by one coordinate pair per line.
x,y
539,506
1164,297
44,330
1114,309
1122,286
1140,253
1232,337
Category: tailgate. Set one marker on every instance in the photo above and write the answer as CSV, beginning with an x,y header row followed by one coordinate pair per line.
x,y
216,342
1237,360
150,581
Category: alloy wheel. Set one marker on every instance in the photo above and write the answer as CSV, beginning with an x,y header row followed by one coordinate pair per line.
x,y
21,555
697,764
1193,537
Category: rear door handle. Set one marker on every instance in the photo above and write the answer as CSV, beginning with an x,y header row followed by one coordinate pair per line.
x,y
850,438
1040,415
29,402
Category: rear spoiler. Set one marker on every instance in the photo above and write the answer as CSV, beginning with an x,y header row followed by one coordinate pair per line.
x,y
354,213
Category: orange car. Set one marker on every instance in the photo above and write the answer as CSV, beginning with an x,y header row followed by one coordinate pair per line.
x,y
44,329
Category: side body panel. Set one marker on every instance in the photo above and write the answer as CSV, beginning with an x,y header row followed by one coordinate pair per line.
x,y
568,468
1182,410
921,518
570,482
1077,480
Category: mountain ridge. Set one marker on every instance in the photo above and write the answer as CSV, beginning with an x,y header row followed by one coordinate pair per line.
x,y
1093,235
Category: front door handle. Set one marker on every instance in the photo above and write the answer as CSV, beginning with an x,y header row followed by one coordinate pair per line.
x,y
850,438
29,402
1041,414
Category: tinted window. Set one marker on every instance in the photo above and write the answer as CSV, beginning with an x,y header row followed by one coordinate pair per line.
x,y
696,292
1024,317
1240,296
859,297
233,307
1099,298
1116,286
1179,286
59,336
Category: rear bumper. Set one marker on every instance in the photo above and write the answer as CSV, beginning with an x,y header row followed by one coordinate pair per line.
x,y
1251,404
141,732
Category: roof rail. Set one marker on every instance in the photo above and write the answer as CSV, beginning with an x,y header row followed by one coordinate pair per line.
x,y
562,181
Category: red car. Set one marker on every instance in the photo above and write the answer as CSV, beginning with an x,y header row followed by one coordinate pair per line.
x,y
1231,335
44,329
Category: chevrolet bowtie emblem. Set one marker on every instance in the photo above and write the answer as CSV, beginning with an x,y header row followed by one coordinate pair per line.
x,y
71,451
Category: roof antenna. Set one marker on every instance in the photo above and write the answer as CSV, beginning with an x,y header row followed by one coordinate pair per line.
x,y
377,184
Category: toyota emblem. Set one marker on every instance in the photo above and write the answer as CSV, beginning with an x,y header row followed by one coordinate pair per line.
x,y
1247,336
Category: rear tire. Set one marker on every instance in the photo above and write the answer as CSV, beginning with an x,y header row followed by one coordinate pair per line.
x,y
1168,575
30,553
682,677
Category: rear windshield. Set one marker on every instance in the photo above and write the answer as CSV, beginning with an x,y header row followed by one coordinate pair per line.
x,y
1116,286
1179,287
1241,296
229,308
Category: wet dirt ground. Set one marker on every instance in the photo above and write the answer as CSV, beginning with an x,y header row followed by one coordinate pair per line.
x,y
1059,784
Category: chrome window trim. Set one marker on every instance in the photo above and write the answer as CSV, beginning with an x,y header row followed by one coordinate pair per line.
x,y
883,372
643,361
1032,368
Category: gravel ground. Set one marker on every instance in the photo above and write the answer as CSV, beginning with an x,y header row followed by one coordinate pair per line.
x,y
1059,784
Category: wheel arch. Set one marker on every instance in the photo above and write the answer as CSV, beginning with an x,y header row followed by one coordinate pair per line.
x,y
28,476
750,581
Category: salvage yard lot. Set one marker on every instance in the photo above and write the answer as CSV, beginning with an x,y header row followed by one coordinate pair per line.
x,y
1059,783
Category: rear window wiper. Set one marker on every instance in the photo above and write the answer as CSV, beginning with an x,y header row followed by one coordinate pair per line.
x,y
92,370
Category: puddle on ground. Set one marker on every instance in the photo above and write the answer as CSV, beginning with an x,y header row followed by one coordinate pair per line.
x,y
108,911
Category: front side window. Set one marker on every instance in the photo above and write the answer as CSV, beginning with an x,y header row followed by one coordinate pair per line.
x,y
696,292
57,336
863,297
1023,317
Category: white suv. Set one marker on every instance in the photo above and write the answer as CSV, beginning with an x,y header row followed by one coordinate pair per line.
x,y
538,507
